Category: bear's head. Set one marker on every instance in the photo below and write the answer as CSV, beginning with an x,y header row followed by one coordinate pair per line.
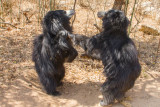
x,y
114,20
54,21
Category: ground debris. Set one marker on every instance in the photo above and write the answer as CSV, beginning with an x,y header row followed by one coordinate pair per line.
x,y
149,30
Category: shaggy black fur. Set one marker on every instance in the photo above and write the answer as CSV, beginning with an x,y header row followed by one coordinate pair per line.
x,y
52,48
117,52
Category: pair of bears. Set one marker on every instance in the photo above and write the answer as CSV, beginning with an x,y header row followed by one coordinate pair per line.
x,y
112,46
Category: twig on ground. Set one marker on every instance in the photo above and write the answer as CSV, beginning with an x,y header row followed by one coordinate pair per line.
x,y
133,10
25,13
92,11
2,28
157,52
2,19
138,22
75,13
100,30
7,23
86,25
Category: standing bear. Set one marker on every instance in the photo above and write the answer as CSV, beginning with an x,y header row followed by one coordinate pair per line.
x,y
117,52
52,48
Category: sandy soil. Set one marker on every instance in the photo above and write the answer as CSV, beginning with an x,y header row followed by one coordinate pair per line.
x,y
26,91
20,86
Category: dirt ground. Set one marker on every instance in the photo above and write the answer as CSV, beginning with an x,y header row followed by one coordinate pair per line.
x,y
20,86
28,93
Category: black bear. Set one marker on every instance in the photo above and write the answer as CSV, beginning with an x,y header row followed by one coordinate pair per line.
x,y
117,52
52,48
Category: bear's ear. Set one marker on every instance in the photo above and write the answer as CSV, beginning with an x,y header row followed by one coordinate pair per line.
x,y
69,13
101,14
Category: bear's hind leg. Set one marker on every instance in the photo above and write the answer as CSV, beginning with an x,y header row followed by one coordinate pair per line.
x,y
60,76
49,84
120,96
108,98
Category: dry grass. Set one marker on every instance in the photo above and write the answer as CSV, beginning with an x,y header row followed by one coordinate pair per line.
x,y
16,44
22,24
